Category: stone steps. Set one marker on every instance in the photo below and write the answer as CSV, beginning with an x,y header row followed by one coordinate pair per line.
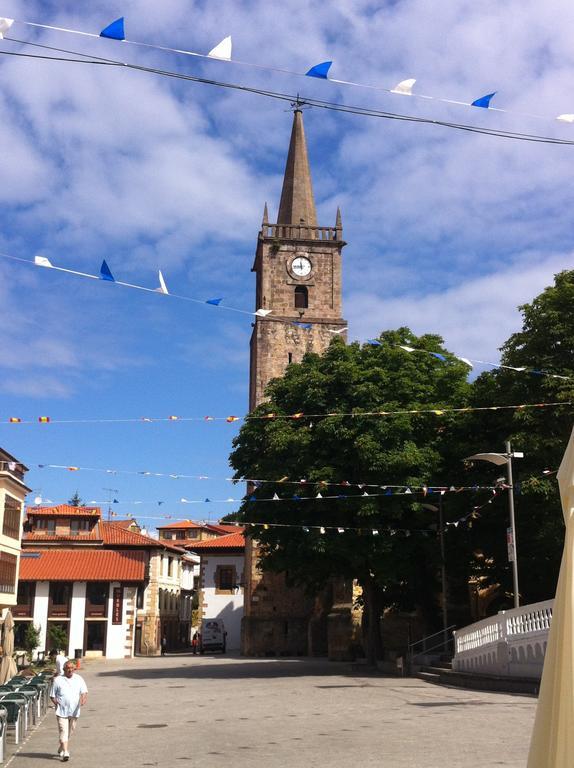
x,y
440,675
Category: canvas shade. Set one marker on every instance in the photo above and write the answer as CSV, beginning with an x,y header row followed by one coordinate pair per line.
x,y
8,666
552,744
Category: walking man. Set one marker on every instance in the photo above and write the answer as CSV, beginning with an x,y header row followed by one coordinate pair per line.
x,y
69,693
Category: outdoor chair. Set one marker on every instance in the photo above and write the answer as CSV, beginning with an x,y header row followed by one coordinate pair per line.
x,y
34,694
24,702
3,729
14,718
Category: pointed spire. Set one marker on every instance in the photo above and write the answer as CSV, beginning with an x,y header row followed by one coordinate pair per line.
x,y
339,219
265,215
297,204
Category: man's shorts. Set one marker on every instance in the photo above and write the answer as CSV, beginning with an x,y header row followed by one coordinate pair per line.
x,y
66,727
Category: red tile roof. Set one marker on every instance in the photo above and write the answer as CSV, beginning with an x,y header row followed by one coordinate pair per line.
x,y
125,523
82,565
65,510
222,527
37,538
113,534
231,541
182,524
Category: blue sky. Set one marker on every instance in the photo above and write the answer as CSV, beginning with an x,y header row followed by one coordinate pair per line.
x,y
447,232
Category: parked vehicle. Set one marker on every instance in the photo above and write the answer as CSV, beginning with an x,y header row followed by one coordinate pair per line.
x,y
213,635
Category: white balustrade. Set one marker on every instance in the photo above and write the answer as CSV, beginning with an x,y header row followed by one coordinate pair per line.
x,y
511,644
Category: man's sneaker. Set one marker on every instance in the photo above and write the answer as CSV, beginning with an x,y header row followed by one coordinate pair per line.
x,y
65,756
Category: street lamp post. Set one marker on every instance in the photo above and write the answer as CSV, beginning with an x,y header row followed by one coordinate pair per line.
x,y
438,509
501,459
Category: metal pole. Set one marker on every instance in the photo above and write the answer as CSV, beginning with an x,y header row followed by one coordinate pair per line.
x,y
443,574
512,524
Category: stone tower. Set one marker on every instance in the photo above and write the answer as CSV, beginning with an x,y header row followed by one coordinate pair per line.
x,y
298,269
298,277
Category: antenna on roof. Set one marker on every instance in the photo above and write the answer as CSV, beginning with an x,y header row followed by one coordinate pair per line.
x,y
110,491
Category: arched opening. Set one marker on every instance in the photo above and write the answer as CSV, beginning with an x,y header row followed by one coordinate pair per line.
x,y
301,297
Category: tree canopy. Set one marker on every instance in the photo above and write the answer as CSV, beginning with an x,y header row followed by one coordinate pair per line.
x,y
397,566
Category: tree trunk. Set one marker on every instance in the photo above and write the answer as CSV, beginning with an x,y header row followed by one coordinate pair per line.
x,y
372,637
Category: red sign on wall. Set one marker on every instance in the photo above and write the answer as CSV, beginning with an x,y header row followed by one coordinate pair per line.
x,y
117,604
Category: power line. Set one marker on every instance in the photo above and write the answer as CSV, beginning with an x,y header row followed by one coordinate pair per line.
x,y
319,103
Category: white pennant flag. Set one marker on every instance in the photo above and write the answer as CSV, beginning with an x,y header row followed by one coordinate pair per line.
x,y
338,330
341,530
405,87
467,361
222,50
5,25
375,532
321,530
318,496
42,261
162,286
564,118
407,349
263,312
275,497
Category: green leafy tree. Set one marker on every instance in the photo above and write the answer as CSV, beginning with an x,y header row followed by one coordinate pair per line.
x,y
396,567
31,639
545,343
58,636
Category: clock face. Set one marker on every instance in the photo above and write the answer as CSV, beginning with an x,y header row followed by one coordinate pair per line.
x,y
301,266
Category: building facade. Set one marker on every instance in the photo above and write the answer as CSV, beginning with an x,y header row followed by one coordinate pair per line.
x,y
13,492
222,581
298,276
101,589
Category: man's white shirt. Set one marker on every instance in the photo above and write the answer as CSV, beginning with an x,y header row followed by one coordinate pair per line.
x,y
67,692
60,661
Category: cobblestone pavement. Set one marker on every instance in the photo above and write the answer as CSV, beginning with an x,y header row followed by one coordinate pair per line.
x,y
215,711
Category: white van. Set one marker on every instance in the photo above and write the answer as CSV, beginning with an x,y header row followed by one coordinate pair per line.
x,y
213,635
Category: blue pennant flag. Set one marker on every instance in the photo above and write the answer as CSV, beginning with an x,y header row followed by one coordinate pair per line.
x,y
439,356
159,503
535,372
105,273
115,30
305,326
374,343
320,70
388,492
296,498
115,501
251,498
207,501
215,302
484,101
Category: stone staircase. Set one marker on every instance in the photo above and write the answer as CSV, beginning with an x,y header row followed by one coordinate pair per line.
x,y
440,672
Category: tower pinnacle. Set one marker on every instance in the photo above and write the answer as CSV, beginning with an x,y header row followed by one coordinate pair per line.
x,y
297,204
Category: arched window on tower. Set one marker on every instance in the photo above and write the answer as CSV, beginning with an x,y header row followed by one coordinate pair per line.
x,y
301,297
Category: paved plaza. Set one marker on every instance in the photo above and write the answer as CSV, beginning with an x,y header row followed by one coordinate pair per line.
x,y
217,711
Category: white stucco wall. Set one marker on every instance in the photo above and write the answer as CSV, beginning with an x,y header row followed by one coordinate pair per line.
x,y
226,607
77,616
116,633
40,617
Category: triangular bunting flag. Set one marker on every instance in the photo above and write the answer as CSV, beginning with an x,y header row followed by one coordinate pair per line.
x,y
467,361
263,312
105,273
115,30
320,70
5,25
42,261
484,101
222,50
275,497
565,118
407,349
214,302
439,356
374,342
318,496
405,87
162,286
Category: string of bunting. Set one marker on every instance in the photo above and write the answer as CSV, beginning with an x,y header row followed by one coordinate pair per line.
x,y
263,314
401,490
290,417
223,52
258,482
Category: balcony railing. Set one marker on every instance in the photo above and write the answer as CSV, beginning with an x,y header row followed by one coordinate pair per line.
x,y
300,232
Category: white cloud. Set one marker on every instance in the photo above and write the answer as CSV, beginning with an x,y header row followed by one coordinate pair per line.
x,y
474,318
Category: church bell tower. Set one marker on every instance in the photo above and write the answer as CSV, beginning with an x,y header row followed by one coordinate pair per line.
x,y
298,284
298,269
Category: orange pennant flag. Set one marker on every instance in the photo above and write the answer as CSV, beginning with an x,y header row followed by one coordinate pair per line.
x,y
14,420
232,418
44,419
